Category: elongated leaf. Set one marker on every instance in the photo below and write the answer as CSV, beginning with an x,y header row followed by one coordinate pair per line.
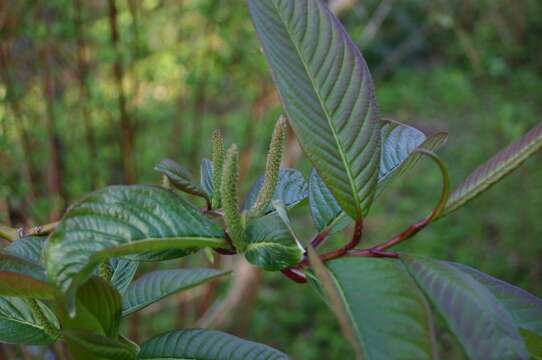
x,y
390,314
179,177
482,325
18,325
206,174
122,220
123,273
29,248
330,291
205,345
156,285
291,190
495,169
326,212
270,244
533,341
24,278
327,92
99,308
85,345
525,308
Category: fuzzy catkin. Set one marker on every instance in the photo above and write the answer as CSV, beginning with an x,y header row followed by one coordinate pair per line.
x,y
218,154
272,168
230,199
48,327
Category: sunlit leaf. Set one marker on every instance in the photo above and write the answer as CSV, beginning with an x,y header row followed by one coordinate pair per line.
x,y
482,325
270,244
291,190
205,345
533,342
327,92
495,169
156,285
123,220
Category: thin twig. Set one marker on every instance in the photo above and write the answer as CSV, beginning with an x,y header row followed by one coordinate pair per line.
x,y
39,230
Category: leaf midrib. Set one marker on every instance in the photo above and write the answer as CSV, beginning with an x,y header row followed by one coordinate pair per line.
x,y
346,163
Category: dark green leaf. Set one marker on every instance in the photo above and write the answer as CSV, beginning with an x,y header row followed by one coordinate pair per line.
x,y
23,278
206,179
495,169
123,273
99,308
270,244
482,325
533,342
390,314
327,92
29,248
85,345
122,220
205,345
525,308
18,325
179,177
291,190
154,286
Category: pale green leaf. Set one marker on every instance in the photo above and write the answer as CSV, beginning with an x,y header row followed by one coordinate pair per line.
x,y
156,285
533,341
327,92
123,272
29,248
84,345
179,177
205,345
206,177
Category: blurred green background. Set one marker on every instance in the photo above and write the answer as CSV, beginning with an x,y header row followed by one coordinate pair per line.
x,y
95,92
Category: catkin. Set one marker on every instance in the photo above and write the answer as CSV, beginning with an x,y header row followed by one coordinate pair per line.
x,y
230,199
218,165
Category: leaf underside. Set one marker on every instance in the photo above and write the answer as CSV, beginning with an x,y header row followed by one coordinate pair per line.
x,y
24,278
327,92
206,177
495,169
179,177
205,345
122,220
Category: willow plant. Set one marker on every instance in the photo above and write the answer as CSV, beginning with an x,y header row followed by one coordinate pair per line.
x,y
73,281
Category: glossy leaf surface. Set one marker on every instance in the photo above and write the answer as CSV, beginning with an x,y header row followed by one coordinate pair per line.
x,y
29,248
270,244
205,345
123,273
482,325
24,278
291,189
179,177
327,92
156,285
495,169
18,325
390,314
206,177
122,220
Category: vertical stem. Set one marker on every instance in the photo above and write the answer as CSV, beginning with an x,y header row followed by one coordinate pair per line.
x,y
84,93
127,129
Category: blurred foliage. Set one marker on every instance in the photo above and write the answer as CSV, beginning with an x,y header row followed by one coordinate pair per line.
x,y
472,68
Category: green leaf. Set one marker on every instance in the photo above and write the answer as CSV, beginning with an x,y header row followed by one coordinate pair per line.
x,y
122,220
206,180
291,190
327,92
390,314
270,244
18,325
123,273
495,169
84,345
205,345
23,278
156,285
482,325
525,308
179,177
99,308
29,248
533,342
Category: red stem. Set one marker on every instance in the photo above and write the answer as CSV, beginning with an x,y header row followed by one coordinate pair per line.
x,y
295,274
320,237
408,233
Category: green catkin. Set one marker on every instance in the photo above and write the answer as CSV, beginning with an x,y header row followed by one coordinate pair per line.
x,y
105,271
272,168
218,165
230,199
48,327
